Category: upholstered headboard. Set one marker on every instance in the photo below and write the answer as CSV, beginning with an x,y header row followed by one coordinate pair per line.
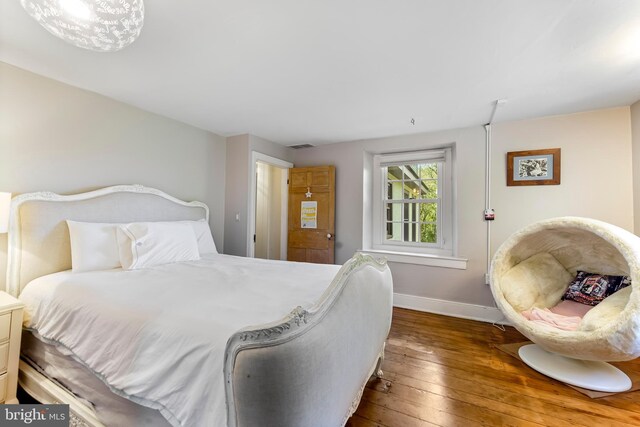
x,y
38,232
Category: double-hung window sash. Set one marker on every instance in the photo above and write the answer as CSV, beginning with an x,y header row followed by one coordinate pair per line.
x,y
412,199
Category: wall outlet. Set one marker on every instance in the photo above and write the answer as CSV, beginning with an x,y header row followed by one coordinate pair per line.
x,y
486,279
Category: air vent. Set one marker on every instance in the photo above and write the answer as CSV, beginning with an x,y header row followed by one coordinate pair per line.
x,y
296,147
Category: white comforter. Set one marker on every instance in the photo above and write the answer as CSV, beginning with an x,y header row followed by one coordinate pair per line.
x,y
157,336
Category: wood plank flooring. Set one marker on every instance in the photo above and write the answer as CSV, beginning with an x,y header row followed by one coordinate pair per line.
x,y
443,371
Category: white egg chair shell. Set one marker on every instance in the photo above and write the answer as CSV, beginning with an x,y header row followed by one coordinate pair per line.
x,y
534,266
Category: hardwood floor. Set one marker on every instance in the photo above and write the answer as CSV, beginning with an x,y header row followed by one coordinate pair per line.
x,y
443,371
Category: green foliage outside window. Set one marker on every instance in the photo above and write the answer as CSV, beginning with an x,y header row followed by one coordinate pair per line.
x,y
417,182
428,214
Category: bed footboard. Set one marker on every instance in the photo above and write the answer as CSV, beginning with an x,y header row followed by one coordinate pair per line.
x,y
310,368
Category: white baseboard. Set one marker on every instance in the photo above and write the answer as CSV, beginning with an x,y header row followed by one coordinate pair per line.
x,y
450,308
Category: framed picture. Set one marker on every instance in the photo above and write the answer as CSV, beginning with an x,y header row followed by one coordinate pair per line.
x,y
533,167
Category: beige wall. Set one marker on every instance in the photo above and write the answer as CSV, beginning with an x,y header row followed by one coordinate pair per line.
x,y
63,139
586,139
596,170
237,195
635,133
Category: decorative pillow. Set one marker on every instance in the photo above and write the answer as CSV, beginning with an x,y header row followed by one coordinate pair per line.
x,y
145,244
607,311
592,288
206,245
538,281
93,246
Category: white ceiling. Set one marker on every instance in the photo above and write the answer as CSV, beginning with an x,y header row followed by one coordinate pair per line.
x,y
321,71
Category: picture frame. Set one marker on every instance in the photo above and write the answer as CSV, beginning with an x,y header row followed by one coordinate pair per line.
x,y
533,167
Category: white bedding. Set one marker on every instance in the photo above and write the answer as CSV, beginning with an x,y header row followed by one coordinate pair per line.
x,y
157,336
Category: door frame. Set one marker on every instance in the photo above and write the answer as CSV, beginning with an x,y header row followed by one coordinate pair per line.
x,y
257,156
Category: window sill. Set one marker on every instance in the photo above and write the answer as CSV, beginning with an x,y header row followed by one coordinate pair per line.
x,y
420,259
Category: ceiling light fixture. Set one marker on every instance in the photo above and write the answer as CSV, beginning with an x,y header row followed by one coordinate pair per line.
x,y
100,25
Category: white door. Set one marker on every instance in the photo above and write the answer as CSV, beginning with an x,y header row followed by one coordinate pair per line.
x,y
267,209
270,226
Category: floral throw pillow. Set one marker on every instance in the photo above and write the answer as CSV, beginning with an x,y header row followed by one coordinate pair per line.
x,y
592,288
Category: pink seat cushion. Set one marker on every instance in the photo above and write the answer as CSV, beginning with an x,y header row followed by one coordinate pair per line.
x,y
543,316
571,308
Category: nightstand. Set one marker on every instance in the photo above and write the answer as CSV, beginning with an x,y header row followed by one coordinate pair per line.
x,y
10,334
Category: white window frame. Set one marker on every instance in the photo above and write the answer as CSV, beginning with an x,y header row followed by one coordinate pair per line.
x,y
446,236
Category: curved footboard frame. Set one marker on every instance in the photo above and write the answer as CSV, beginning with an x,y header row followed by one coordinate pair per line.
x,y
310,368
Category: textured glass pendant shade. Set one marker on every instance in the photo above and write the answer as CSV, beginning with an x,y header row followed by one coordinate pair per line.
x,y
101,25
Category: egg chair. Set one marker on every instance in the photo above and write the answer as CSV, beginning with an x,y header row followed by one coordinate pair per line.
x,y
533,268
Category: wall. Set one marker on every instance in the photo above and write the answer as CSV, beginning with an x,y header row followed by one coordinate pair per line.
x,y
597,175
441,283
586,139
237,194
635,134
63,139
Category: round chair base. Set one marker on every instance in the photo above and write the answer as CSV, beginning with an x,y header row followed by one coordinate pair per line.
x,y
598,376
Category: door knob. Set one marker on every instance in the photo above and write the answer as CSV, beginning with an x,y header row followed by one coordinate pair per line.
x,y
329,236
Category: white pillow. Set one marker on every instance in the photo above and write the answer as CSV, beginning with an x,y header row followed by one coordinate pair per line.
x,y
145,244
206,245
93,246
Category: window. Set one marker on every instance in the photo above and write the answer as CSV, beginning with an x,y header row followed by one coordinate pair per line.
x,y
413,209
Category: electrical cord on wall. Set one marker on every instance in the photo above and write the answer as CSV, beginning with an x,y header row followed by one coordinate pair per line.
x,y
489,214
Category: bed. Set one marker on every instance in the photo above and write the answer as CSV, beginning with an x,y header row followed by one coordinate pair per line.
x,y
244,342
